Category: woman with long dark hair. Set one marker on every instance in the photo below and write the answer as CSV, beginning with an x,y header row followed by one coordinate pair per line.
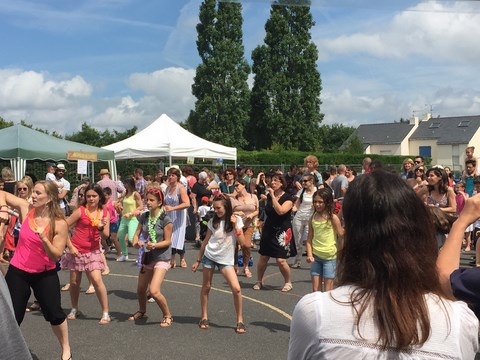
x,y
389,302
437,192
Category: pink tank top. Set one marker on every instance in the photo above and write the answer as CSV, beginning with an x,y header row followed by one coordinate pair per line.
x,y
86,237
30,256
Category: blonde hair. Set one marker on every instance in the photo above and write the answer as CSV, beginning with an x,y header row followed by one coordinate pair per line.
x,y
312,158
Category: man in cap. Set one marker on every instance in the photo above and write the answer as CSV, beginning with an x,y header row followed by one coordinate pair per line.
x,y
106,181
63,188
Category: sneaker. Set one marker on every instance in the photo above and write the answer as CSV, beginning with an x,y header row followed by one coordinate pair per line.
x,y
151,300
122,258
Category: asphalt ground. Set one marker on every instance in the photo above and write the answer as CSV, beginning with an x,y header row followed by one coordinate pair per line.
x,y
266,312
267,315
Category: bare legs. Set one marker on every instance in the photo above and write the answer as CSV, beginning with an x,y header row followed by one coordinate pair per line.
x,y
232,280
61,332
282,265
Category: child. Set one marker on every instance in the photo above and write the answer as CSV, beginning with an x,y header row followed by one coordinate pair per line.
x,y
323,228
113,239
154,234
204,208
217,250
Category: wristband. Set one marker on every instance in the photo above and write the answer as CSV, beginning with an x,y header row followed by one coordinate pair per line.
x,y
199,261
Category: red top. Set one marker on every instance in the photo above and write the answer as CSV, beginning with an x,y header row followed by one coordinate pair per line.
x,y
86,237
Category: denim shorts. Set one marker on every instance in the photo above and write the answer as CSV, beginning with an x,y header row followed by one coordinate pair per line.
x,y
210,264
324,268
114,227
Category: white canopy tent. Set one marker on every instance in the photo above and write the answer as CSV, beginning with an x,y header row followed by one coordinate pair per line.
x,y
166,138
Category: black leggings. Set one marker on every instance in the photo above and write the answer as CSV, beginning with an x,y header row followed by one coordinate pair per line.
x,y
46,288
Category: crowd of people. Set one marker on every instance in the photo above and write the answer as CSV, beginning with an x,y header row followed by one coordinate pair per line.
x,y
376,243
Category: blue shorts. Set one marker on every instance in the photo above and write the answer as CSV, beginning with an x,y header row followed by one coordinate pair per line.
x,y
114,227
324,268
210,264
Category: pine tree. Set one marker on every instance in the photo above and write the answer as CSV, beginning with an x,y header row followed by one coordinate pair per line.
x,y
285,99
220,84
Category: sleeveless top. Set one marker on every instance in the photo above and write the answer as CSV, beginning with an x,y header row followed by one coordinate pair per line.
x,y
129,203
323,242
86,237
30,256
443,202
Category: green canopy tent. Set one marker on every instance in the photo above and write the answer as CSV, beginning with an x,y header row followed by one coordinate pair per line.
x,y
19,143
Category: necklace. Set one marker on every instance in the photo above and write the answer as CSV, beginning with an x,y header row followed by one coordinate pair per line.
x,y
151,226
94,220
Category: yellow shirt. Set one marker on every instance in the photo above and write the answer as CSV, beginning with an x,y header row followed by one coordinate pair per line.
x,y
129,204
324,242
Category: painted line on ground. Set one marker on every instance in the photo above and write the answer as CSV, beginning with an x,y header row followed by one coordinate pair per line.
x,y
260,302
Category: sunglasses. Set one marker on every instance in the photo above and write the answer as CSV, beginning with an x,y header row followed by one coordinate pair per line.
x,y
305,180
80,195
22,189
417,162
228,174
419,170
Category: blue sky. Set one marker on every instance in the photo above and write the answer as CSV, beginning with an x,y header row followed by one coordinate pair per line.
x,y
119,63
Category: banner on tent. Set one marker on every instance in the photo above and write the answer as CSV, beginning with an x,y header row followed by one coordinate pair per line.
x,y
82,155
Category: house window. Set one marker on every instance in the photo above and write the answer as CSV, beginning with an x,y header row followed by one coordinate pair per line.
x,y
434,125
425,151
464,123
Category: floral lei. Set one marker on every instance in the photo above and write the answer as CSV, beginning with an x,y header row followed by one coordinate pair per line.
x,y
94,221
151,226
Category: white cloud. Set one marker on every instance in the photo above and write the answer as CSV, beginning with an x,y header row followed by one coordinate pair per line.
x,y
32,90
434,30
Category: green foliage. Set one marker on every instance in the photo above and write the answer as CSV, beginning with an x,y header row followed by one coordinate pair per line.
x,y
220,83
91,136
354,145
333,136
285,99
5,124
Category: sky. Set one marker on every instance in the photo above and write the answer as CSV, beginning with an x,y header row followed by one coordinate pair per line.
x,y
115,64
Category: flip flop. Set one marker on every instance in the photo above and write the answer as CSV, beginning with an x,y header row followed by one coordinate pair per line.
x,y
90,290
241,328
65,287
204,324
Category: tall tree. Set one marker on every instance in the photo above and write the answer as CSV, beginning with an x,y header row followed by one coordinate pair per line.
x,y
91,136
285,98
220,84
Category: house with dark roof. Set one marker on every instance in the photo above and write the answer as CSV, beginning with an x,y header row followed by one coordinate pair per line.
x,y
444,139
387,138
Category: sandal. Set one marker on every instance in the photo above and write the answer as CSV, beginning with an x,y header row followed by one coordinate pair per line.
x,y
258,285
66,287
137,315
34,307
106,271
166,321
90,290
74,314
203,324
247,273
173,265
241,328
105,319
183,263
287,287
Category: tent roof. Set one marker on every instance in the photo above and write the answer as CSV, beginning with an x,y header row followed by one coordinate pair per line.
x,y
165,138
19,141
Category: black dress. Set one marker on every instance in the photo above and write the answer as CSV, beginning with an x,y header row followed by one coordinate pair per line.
x,y
277,236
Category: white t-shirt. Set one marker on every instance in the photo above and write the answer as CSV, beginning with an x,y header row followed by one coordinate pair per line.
x,y
63,185
221,246
323,327
305,210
